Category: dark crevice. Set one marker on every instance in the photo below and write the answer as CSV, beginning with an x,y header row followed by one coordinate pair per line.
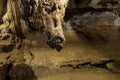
x,y
103,3
89,64
53,8
77,11
7,77
7,48
55,22
82,10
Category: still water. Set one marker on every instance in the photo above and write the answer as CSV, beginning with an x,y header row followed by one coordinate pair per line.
x,y
75,48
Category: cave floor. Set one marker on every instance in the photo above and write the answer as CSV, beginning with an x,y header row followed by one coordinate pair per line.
x,y
77,61
84,74
51,58
74,53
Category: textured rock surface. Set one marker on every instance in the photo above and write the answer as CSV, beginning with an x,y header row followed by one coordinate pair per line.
x,y
98,26
24,16
49,17
98,20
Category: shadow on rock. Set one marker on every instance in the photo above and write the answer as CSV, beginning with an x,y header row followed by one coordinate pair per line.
x,y
21,72
17,72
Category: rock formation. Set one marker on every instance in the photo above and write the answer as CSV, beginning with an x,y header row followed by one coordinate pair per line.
x,y
97,22
44,16
48,17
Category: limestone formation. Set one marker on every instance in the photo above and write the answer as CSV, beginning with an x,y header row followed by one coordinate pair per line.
x,y
40,15
48,17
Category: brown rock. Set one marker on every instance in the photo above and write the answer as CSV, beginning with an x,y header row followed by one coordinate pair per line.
x,y
98,26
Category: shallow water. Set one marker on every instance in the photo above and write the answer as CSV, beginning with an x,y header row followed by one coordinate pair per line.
x,y
75,48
